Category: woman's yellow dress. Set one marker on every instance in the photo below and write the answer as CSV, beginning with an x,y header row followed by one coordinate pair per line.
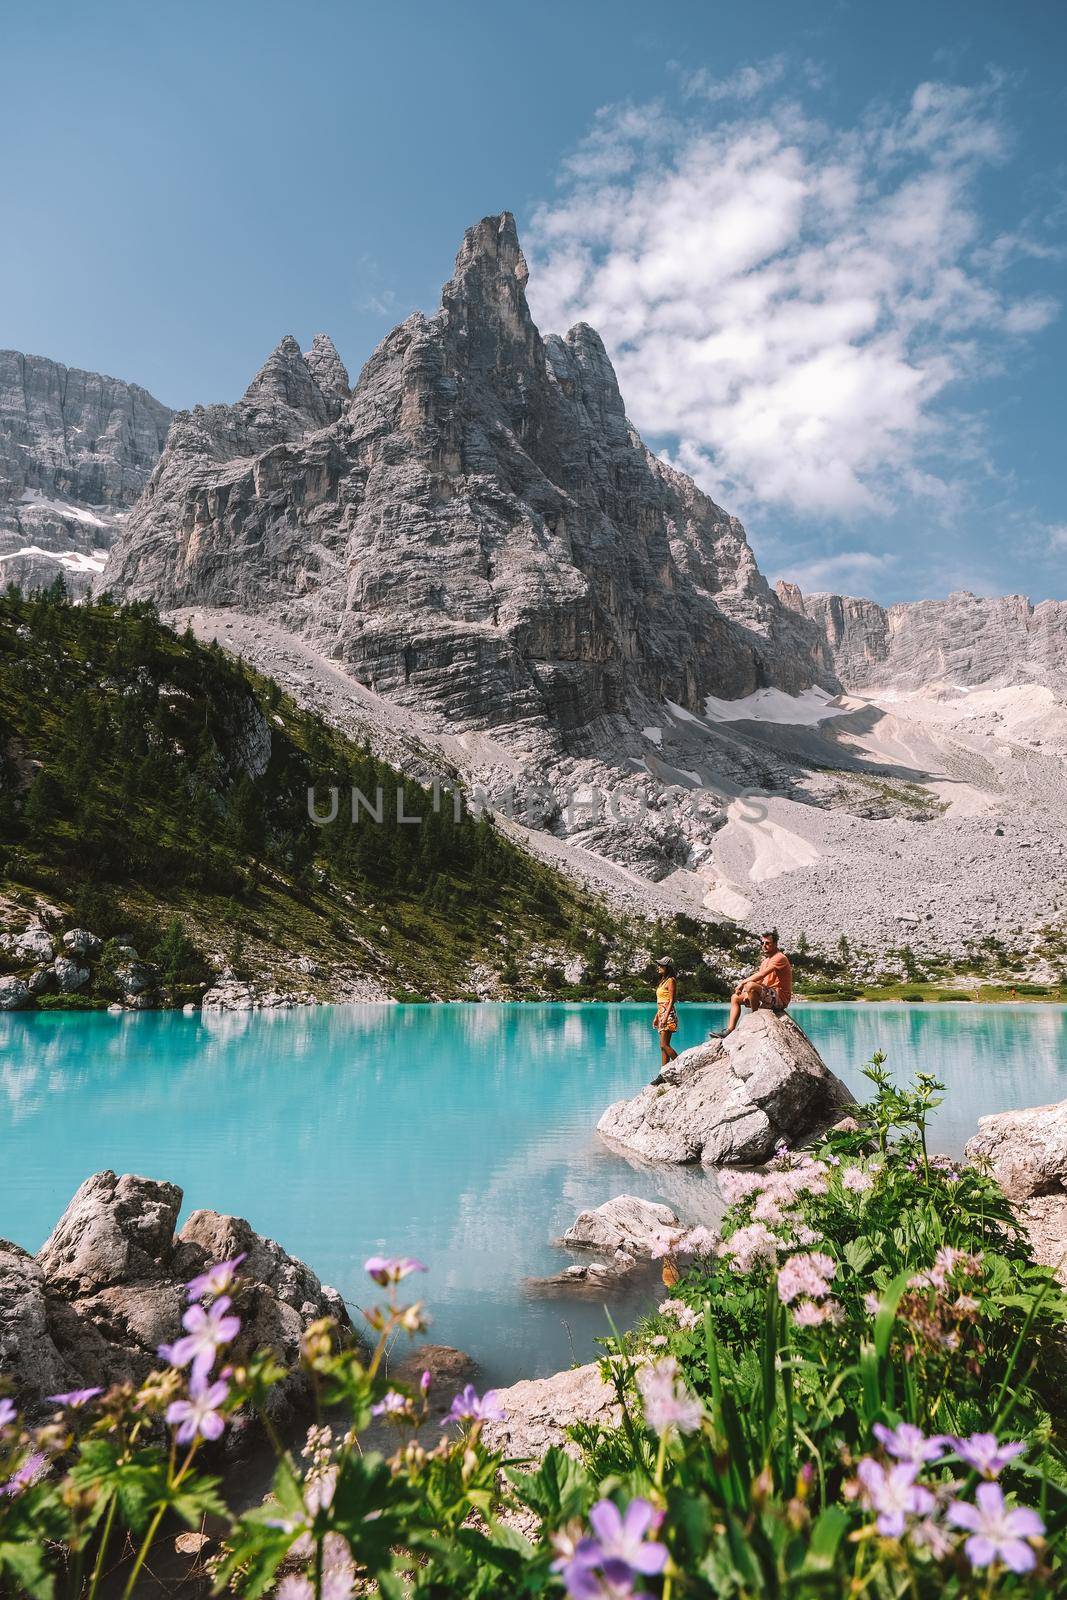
x,y
666,1016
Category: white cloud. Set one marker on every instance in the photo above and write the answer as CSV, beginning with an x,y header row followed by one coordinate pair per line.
x,y
848,572
1057,537
747,83
787,304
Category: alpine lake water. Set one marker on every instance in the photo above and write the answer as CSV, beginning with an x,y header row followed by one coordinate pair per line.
x,y
461,1134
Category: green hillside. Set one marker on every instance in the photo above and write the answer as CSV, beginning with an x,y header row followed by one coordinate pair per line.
x,y
154,789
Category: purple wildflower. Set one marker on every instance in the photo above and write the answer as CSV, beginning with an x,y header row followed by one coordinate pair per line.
x,y
391,1269
207,1329
908,1443
997,1533
621,1537
75,1397
199,1414
218,1279
467,1406
392,1404
426,1381
893,1493
7,1412
985,1454
613,1581
31,1471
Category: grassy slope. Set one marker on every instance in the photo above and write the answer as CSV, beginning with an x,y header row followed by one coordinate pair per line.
x,y
143,775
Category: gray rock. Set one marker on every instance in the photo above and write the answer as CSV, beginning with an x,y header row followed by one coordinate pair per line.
x,y
70,976
115,1229
538,1411
29,1360
625,1223
76,449
1026,1151
477,531
32,944
80,942
135,977
42,981
14,994
731,1101
108,1287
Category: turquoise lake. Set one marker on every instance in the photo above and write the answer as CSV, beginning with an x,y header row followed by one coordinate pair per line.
x,y
460,1134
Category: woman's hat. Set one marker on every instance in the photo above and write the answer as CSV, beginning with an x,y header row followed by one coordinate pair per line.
x,y
666,963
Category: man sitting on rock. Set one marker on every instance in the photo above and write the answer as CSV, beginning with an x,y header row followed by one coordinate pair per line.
x,y
770,988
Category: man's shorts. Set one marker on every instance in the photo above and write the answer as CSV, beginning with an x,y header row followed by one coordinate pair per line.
x,y
768,997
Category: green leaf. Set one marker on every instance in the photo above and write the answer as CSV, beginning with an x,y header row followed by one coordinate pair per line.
x,y
560,1489
196,1498
859,1254
825,1540
886,1318
25,1562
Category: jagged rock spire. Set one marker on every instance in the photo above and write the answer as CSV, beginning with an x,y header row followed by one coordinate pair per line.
x,y
286,380
327,368
484,304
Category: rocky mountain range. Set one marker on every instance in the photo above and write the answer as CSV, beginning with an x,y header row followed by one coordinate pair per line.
x,y
76,449
471,559
967,639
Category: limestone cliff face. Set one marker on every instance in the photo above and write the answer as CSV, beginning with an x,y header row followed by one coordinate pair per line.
x,y
966,639
475,530
76,449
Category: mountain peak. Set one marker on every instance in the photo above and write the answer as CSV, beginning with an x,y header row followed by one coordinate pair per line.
x,y
285,382
493,245
327,368
484,309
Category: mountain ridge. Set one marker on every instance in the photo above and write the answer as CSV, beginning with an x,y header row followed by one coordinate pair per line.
x,y
76,449
966,639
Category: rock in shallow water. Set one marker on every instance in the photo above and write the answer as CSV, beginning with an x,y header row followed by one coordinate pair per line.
x,y
729,1102
625,1223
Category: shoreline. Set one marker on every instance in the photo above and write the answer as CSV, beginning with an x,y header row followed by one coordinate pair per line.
x,y
1057,999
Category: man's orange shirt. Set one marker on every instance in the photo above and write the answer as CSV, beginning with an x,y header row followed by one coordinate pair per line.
x,y
777,973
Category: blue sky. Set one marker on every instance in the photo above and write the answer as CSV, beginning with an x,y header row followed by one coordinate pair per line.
x,y
824,242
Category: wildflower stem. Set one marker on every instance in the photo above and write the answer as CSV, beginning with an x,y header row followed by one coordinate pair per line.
x,y
146,1545
105,1540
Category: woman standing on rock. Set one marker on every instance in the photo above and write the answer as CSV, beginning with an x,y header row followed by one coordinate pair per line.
x,y
666,1018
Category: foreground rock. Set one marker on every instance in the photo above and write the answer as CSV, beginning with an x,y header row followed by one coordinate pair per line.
x,y
539,1410
1026,1151
729,1102
108,1287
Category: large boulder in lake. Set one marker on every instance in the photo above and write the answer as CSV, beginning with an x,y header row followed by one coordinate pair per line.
x,y
1026,1152
731,1101
109,1286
